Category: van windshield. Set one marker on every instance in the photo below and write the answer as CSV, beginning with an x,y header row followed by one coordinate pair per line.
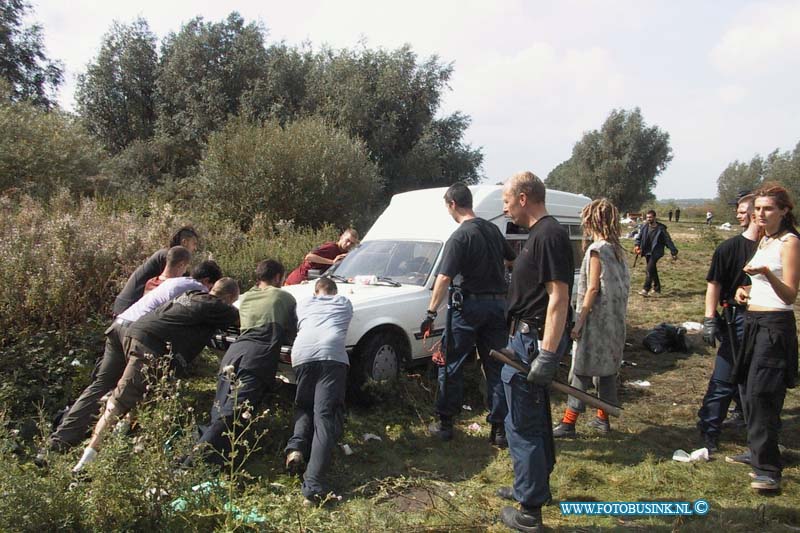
x,y
407,262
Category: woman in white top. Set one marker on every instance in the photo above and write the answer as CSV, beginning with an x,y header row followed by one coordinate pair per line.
x,y
767,361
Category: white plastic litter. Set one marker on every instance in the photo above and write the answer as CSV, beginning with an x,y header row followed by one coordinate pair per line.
x,y
347,449
474,427
692,326
681,456
365,280
466,407
725,227
371,436
639,383
75,362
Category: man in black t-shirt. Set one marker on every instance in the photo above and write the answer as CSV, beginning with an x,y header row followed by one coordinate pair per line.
x,y
476,252
539,300
724,276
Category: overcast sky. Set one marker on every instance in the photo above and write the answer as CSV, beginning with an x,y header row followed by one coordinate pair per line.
x,y
722,78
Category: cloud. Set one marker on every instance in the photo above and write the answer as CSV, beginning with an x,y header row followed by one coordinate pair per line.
x,y
765,39
732,94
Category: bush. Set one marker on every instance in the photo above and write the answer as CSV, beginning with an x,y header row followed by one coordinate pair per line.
x,y
42,151
307,172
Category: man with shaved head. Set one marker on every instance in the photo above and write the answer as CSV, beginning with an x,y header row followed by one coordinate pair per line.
x,y
538,311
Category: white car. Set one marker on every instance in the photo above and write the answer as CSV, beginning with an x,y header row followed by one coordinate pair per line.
x,y
390,276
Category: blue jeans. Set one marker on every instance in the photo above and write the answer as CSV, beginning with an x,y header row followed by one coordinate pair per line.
x,y
721,387
529,427
480,323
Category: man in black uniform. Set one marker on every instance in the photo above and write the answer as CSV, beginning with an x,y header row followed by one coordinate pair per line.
x,y
650,243
724,276
539,304
476,251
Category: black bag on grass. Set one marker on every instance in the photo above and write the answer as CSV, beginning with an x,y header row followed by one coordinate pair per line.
x,y
666,338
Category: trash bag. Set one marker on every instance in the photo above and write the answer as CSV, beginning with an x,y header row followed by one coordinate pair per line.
x,y
666,338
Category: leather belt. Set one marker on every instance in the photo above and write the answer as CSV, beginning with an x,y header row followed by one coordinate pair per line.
x,y
517,325
484,296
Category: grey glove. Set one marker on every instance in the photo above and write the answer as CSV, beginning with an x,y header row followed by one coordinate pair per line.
x,y
710,331
543,368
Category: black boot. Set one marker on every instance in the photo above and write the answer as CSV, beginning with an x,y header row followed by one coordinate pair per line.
x,y
443,429
523,519
498,436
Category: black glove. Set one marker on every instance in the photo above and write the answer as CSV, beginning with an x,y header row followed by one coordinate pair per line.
x,y
543,368
426,328
710,331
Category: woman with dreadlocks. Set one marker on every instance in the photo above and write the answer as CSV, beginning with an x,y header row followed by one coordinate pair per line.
x,y
603,288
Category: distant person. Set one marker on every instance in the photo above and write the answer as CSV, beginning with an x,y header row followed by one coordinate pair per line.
x,y
725,275
670,215
134,287
323,256
267,322
677,214
183,325
766,365
709,216
603,287
650,243
320,362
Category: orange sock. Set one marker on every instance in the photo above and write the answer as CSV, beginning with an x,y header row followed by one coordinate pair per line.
x,y
602,415
570,416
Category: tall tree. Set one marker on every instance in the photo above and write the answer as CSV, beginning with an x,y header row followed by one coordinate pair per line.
x,y
441,157
205,70
386,98
115,97
739,176
23,62
621,161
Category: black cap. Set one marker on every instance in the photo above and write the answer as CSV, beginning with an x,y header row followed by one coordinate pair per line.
x,y
739,195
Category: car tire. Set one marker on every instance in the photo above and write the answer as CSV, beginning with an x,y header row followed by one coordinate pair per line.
x,y
377,359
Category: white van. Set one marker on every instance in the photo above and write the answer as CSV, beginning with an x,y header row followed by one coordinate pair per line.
x,y
390,276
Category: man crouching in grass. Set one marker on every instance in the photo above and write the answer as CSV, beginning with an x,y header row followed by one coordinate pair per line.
x,y
320,363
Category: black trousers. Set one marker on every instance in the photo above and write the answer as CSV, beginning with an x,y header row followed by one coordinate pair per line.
x,y
767,365
76,422
318,420
241,391
651,274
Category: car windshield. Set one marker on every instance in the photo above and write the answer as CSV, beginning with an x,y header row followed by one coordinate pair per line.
x,y
406,262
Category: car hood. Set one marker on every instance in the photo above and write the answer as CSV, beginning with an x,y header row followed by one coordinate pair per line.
x,y
358,294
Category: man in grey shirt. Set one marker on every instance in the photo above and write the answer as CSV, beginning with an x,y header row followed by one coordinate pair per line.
x,y
320,364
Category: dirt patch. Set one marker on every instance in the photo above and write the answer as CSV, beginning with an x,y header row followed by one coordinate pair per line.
x,y
412,500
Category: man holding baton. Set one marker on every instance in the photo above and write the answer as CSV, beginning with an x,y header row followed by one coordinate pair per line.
x,y
724,276
538,310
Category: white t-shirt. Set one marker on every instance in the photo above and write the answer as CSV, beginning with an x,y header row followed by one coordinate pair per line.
x,y
166,291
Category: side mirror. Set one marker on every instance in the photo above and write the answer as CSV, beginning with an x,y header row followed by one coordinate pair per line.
x,y
314,273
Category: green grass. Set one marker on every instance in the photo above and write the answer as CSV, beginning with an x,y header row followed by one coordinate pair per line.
x,y
409,481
